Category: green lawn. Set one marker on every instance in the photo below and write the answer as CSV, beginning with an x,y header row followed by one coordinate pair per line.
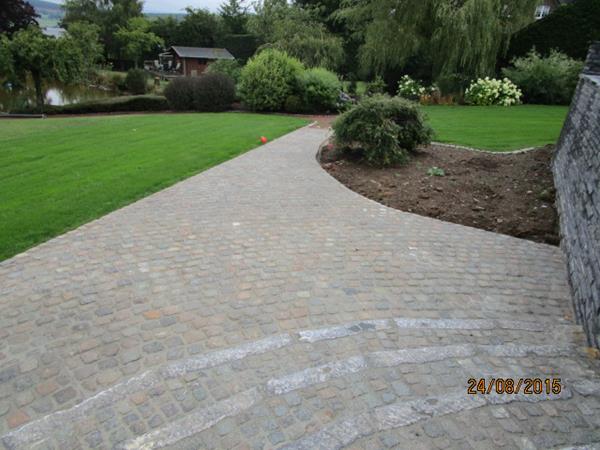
x,y
58,173
495,127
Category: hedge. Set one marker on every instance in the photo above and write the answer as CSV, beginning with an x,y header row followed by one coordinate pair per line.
x,y
133,103
569,29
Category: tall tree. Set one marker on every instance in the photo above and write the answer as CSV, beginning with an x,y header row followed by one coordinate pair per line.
x,y
166,28
456,36
298,32
234,15
199,28
16,15
136,39
43,58
267,14
86,36
109,15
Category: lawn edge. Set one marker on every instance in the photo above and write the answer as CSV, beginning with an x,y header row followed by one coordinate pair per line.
x,y
73,229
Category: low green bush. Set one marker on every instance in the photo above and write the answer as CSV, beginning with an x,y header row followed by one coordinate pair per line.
x,y
551,80
136,81
491,91
320,90
213,92
382,130
411,89
130,103
376,87
180,93
229,67
268,79
208,92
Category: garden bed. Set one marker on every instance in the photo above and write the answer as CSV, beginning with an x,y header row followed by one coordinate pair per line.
x,y
505,193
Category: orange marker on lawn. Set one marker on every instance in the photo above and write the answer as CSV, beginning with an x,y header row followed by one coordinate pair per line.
x,y
264,140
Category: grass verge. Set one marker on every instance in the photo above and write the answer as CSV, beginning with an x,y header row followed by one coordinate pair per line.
x,y
497,128
59,173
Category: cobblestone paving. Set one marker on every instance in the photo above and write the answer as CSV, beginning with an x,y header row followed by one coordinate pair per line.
x,y
261,304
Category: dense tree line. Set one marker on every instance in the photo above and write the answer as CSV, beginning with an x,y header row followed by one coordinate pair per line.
x,y
435,40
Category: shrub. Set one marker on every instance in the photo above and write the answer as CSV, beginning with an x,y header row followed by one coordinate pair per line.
x,y
213,92
136,81
180,93
550,80
268,79
376,87
382,130
208,92
294,105
411,89
320,89
490,91
229,67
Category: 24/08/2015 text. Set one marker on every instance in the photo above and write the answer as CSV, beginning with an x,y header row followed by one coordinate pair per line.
x,y
528,386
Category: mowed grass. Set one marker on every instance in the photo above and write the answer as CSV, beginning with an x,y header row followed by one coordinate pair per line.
x,y
59,173
497,128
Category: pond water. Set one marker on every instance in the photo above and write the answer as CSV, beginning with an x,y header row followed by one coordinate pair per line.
x,y
55,94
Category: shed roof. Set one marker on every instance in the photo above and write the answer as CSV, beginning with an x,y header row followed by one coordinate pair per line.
x,y
201,52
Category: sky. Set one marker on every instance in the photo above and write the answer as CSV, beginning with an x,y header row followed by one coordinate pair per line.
x,y
174,6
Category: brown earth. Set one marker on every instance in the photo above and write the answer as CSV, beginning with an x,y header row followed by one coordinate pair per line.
x,y
506,193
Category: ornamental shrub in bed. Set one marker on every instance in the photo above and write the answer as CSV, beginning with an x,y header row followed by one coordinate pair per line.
x,y
382,130
411,89
268,79
550,80
490,91
180,93
213,92
320,90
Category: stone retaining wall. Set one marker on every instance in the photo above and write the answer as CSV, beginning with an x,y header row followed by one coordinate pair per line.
x,y
576,168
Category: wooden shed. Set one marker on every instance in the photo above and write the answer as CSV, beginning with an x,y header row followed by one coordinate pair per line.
x,y
191,61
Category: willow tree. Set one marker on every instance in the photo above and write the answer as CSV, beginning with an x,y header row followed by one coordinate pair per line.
x,y
297,31
456,36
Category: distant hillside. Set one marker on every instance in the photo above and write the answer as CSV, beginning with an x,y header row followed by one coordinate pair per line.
x,y
51,13
47,9
152,16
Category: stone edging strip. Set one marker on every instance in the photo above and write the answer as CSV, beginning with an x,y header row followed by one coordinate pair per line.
x,y
195,422
393,358
204,418
344,432
40,429
473,149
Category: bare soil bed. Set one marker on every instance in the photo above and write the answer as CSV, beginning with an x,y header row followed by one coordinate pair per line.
x,y
506,193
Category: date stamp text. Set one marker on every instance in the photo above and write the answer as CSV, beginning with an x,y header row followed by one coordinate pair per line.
x,y
513,386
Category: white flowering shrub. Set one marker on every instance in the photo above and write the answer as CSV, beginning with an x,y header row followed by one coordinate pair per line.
x,y
491,91
411,89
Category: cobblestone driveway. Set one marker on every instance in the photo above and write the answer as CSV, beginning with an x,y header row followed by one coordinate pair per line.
x,y
261,304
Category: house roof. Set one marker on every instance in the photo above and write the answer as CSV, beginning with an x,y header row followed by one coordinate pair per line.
x,y
201,52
